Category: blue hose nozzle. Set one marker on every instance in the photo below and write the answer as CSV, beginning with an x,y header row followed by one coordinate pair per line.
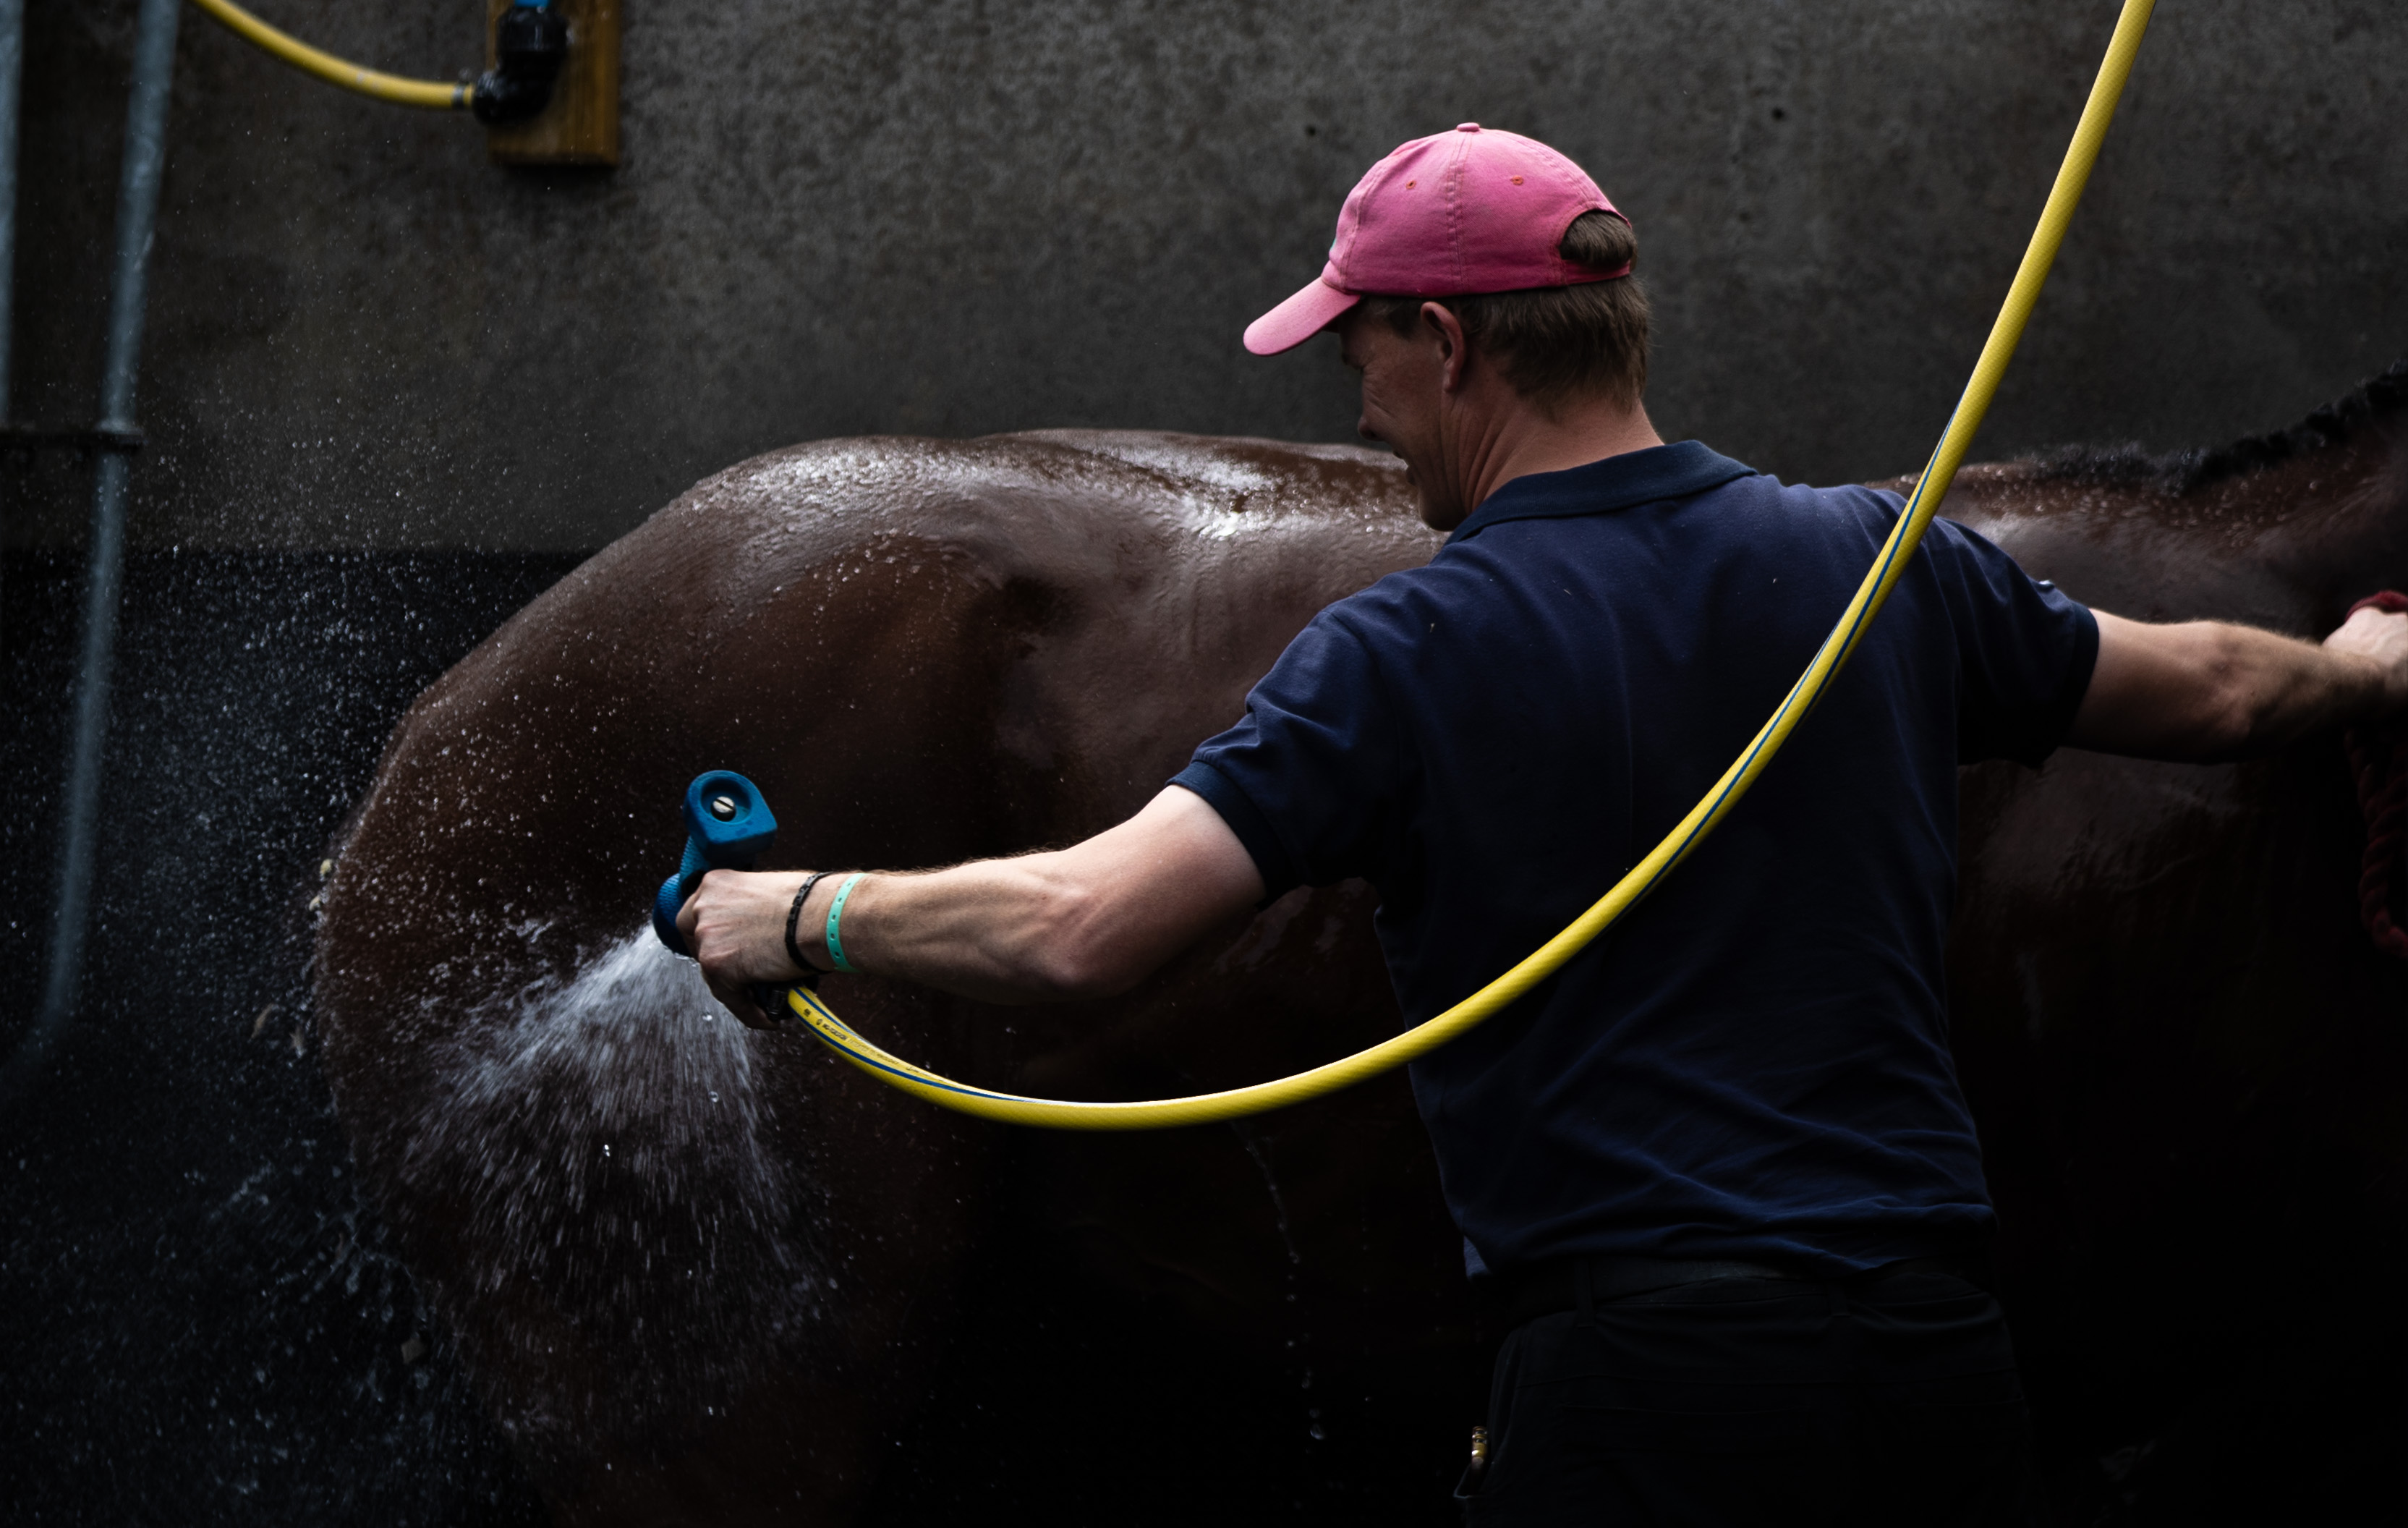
x,y
727,826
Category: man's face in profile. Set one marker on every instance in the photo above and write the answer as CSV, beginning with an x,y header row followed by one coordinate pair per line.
x,y
1402,379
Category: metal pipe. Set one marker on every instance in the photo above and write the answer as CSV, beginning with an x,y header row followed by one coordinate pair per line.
x,y
12,56
138,213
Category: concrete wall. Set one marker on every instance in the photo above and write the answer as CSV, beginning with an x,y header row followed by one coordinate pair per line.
x,y
952,217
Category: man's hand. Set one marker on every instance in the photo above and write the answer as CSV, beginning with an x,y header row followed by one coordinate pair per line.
x,y
735,925
2380,637
2210,690
1087,921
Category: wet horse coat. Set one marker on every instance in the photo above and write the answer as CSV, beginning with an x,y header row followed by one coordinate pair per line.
x,y
706,1275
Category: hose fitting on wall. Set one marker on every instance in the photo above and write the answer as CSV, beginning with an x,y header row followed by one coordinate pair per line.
x,y
530,44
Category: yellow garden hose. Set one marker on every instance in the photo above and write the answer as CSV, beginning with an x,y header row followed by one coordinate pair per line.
x,y
1929,491
436,94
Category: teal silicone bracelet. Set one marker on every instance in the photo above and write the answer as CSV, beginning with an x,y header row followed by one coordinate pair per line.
x,y
836,911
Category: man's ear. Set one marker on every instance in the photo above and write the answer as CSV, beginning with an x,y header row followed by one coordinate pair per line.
x,y
1448,330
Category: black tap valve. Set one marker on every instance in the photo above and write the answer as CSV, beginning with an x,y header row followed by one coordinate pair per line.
x,y
530,42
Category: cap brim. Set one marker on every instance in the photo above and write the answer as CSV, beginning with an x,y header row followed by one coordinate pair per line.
x,y
1299,319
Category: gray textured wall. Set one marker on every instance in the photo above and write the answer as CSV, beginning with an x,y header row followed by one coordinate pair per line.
x,y
957,217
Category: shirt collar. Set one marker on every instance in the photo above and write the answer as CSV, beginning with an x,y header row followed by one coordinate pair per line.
x,y
1680,470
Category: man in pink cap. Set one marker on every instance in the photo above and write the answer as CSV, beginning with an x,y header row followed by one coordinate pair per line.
x,y
1715,1177
1464,215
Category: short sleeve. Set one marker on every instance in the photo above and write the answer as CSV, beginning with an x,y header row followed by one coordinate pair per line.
x,y
2025,651
1312,775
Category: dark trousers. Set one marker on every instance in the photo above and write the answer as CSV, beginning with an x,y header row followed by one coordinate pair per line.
x,y
1888,1399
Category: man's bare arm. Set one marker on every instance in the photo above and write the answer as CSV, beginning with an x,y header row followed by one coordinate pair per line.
x,y
1087,921
2208,690
1096,918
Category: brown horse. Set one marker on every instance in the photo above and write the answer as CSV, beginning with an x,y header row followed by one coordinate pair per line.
x,y
2184,1052
706,1275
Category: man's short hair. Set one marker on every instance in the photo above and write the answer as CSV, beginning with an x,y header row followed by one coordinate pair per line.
x,y
1554,343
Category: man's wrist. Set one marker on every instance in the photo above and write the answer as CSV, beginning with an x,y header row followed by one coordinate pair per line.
x,y
798,927
2388,684
2364,690
846,900
812,921
2373,648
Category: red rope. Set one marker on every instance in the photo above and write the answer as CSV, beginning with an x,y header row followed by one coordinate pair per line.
x,y
2378,762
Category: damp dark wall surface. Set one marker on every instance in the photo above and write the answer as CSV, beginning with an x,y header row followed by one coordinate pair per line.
x,y
956,217
199,1322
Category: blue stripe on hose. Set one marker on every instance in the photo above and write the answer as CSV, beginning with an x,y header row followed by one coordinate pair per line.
x,y
943,1084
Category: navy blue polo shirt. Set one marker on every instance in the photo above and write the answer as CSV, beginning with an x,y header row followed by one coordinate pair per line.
x,y
1754,1062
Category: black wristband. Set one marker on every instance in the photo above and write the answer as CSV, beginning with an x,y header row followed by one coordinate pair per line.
x,y
793,915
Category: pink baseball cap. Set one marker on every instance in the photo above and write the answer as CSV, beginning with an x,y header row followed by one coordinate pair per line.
x,y
1477,209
